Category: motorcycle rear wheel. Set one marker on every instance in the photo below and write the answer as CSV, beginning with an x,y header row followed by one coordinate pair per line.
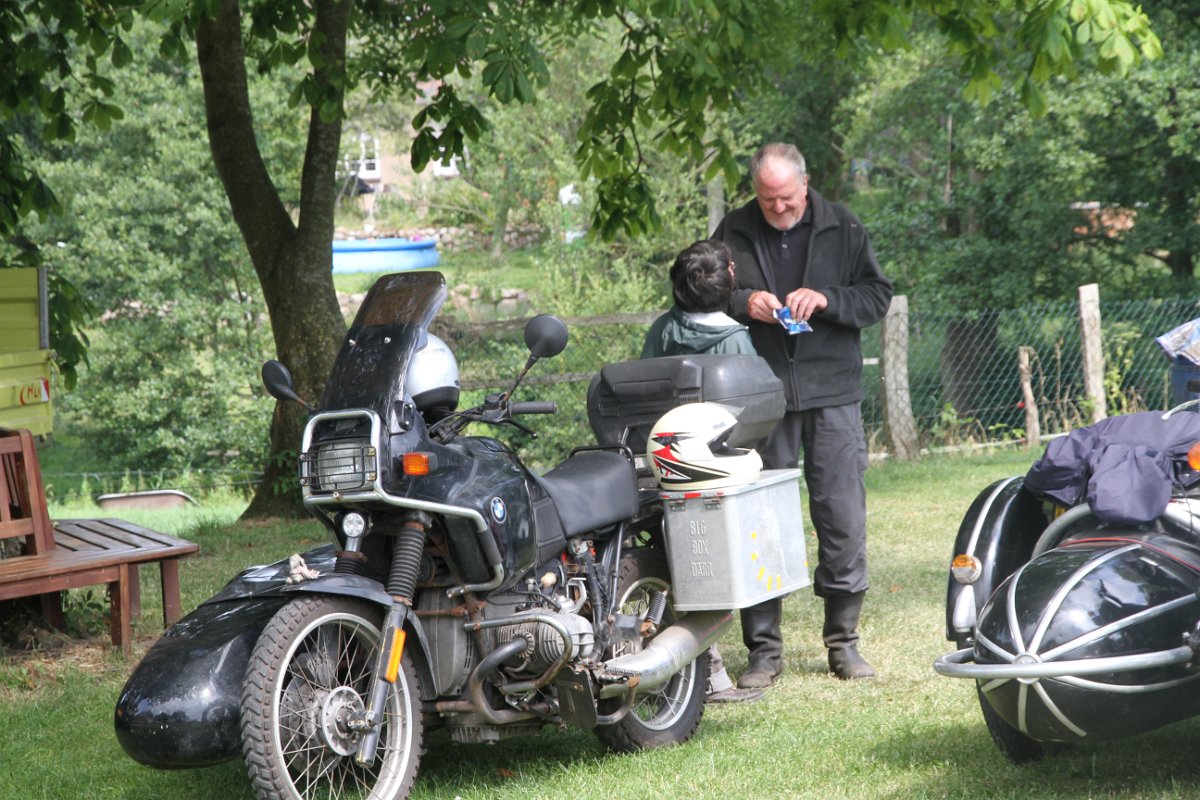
x,y
311,669
670,714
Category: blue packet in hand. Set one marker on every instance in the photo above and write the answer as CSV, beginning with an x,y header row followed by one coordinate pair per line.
x,y
784,315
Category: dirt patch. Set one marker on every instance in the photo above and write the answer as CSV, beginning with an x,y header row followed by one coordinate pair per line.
x,y
33,655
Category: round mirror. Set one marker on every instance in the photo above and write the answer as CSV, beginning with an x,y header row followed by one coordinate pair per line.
x,y
545,335
278,380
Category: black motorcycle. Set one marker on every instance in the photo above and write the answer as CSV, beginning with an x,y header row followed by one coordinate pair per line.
x,y
460,590
1073,590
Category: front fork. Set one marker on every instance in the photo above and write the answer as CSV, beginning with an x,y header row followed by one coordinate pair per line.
x,y
407,545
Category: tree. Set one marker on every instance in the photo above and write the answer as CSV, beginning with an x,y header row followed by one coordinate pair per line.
x,y
1145,135
679,60
147,236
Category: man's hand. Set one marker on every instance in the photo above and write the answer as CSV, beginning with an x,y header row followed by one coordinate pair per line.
x,y
802,302
761,307
806,302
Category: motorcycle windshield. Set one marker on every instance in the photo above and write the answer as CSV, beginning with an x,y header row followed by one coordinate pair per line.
x,y
387,331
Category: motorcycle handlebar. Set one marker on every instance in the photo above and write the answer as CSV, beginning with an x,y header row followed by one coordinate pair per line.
x,y
533,407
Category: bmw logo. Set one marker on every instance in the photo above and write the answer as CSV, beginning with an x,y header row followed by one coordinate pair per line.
x,y
499,511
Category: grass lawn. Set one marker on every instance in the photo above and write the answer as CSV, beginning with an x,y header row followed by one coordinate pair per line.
x,y
907,734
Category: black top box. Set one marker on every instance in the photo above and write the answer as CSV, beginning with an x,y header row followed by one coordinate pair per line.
x,y
626,399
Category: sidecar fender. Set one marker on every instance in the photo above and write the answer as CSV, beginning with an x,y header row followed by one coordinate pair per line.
x,y
1000,529
181,706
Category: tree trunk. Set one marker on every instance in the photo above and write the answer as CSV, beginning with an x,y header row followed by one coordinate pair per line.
x,y
1181,180
504,202
293,262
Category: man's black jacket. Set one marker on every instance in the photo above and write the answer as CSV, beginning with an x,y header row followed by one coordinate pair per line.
x,y
824,367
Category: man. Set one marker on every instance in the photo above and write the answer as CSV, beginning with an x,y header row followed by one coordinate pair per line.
x,y
795,249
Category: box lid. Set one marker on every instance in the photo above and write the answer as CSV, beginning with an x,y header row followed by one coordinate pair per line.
x,y
767,477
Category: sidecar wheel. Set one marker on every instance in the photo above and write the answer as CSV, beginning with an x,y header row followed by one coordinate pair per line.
x,y
309,671
1016,746
670,714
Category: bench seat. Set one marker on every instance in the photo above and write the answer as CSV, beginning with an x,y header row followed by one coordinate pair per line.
x,y
74,553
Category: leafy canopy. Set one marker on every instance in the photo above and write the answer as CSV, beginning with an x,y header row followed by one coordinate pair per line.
x,y
679,60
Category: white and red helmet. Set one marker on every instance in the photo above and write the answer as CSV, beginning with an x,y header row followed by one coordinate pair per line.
x,y
687,450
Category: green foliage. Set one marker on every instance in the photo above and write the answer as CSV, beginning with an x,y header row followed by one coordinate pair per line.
x,y
86,611
146,237
69,311
979,208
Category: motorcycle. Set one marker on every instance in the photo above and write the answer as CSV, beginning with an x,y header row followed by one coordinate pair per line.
x,y
460,589
1072,593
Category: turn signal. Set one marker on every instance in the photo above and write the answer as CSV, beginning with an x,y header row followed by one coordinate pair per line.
x,y
966,569
416,463
1194,456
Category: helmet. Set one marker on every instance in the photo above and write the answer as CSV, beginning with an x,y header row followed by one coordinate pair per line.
x,y
687,450
432,379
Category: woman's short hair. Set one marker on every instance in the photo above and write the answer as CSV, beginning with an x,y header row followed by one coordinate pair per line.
x,y
700,277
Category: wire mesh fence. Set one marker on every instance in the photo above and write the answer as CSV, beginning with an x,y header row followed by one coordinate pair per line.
x,y
962,370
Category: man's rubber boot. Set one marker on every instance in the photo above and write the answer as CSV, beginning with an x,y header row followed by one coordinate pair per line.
x,y
841,637
763,638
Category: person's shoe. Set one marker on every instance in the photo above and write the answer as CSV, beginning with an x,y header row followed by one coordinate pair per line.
x,y
847,664
841,637
757,677
735,695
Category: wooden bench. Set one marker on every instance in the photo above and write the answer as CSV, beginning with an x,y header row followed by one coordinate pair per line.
x,y
71,554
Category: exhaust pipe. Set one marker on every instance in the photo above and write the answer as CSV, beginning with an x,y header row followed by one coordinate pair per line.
x,y
667,653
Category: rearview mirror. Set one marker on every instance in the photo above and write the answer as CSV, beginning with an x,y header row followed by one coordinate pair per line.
x,y
278,380
545,336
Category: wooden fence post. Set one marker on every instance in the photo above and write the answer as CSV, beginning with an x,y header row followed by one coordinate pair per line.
x,y
1033,426
1092,349
897,402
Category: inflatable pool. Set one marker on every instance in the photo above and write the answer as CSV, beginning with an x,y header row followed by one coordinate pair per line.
x,y
384,255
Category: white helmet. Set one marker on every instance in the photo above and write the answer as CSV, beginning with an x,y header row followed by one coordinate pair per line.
x,y
687,450
432,379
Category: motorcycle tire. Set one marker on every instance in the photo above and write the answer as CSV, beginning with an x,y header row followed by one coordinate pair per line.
x,y
670,714
312,665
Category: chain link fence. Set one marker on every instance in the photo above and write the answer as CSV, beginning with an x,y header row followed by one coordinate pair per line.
x,y
964,385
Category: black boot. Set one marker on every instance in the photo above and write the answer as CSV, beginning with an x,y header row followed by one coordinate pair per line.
x,y
841,637
763,638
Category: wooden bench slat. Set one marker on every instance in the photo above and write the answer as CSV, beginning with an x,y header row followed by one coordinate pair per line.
x,y
110,534
79,534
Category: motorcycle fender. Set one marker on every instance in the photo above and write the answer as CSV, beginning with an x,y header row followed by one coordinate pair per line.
x,y
1000,529
370,590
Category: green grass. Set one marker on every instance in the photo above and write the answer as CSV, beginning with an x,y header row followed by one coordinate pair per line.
x,y
908,734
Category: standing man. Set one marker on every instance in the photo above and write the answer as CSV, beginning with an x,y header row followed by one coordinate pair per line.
x,y
795,249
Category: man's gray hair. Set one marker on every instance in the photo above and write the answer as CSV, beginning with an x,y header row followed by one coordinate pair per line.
x,y
781,151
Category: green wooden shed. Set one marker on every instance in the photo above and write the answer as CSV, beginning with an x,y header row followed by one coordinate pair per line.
x,y
24,351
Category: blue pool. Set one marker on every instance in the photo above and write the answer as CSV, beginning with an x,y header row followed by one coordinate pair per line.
x,y
384,255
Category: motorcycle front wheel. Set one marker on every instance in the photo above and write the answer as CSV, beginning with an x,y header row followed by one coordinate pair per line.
x,y
309,673
670,714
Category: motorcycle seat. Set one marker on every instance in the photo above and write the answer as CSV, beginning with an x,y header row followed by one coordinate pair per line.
x,y
592,490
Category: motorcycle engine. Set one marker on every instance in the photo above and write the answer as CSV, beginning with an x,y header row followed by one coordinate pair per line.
x,y
545,642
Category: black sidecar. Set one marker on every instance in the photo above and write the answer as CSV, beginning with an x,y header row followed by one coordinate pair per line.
x,y
1073,590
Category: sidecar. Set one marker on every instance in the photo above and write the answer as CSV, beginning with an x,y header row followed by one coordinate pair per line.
x,y
181,706
1073,590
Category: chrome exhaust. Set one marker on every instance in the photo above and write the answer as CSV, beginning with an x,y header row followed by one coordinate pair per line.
x,y
667,653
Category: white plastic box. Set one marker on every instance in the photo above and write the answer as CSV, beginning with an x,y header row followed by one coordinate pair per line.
x,y
732,548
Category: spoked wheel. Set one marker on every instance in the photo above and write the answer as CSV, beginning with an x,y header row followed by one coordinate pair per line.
x,y
671,713
308,674
1016,746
